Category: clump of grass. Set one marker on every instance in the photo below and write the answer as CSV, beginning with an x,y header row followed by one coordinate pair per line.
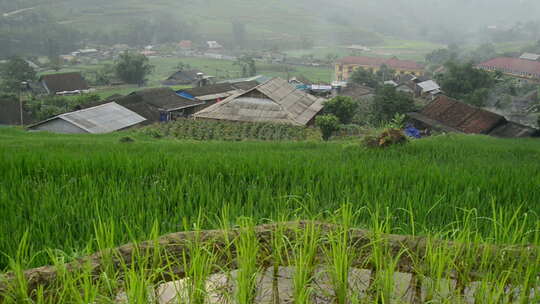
x,y
304,257
340,258
247,252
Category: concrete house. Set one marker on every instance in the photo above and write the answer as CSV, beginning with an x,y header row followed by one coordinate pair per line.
x,y
346,66
515,67
104,118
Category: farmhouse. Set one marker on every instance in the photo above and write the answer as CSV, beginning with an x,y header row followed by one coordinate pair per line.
x,y
159,104
273,101
346,66
515,67
183,77
357,92
211,94
64,84
449,115
104,118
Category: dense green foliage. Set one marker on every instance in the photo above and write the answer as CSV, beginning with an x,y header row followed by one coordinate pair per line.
x,y
343,107
15,71
55,187
388,102
133,68
328,124
466,83
44,107
227,131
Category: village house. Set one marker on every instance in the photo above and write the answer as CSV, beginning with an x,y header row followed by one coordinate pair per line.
x,y
515,67
185,44
211,94
64,84
274,101
346,66
103,118
448,115
183,77
159,104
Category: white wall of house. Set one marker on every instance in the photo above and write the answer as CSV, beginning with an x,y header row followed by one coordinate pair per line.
x,y
58,125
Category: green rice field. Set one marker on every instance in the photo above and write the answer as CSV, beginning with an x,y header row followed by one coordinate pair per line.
x,y
56,188
64,197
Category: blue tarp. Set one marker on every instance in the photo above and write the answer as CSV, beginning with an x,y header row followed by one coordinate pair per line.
x,y
185,95
412,132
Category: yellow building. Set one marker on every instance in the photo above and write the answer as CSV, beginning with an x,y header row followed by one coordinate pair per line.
x,y
346,66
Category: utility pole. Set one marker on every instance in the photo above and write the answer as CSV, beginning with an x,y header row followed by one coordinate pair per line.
x,y
23,86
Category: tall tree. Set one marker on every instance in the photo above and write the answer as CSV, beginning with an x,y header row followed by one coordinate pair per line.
x,y
247,63
15,71
344,108
466,83
388,102
133,68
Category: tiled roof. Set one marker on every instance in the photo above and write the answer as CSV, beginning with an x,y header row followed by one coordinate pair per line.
x,y
393,63
461,116
513,65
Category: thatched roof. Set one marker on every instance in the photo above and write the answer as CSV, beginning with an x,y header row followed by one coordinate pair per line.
x,y
273,101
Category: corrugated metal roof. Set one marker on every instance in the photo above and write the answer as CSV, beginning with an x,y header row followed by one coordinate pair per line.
x,y
428,86
105,118
530,56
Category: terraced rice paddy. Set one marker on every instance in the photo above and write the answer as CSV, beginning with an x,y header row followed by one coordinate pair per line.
x,y
63,197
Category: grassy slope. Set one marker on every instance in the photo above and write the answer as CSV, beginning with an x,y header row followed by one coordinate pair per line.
x,y
51,183
212,17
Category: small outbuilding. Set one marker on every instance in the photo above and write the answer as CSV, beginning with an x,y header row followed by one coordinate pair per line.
x,y
104,118
160,104
211,94
64,84
273,101
449,115
183,77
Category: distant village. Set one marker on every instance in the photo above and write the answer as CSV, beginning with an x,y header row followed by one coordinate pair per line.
x,y
260,98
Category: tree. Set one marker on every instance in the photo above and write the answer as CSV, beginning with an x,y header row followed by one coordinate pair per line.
x,y
364,77
328,124
461,81
133,68
15,71
441,56
247,63
344,108
384,73
388,102
239,33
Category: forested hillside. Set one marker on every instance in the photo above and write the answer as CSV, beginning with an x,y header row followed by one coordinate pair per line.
x,y
268,23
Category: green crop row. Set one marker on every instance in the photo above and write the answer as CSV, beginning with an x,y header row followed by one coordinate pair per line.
x,y
54,188
229,131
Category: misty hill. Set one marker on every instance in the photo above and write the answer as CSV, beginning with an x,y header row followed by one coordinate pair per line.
x,y
283,22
